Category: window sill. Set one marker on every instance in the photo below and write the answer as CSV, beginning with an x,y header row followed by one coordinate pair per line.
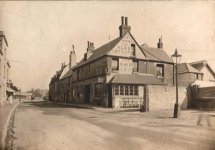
x,y
160,77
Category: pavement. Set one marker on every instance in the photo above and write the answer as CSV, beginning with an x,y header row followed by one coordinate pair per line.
x,y
5,114
48,126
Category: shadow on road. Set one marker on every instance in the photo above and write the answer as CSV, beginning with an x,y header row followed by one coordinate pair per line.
x,y
56,105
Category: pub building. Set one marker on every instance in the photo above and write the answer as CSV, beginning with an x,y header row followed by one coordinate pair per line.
x,y
119,73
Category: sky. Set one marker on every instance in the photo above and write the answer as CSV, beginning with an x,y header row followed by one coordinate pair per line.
x,y
40,34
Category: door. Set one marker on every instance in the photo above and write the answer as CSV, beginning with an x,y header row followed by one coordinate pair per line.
x,y
87,94
110,96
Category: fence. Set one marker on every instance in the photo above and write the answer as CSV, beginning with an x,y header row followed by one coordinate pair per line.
x,y
201,97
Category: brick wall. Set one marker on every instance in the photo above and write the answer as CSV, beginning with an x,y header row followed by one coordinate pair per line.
x,y
164,97
186,78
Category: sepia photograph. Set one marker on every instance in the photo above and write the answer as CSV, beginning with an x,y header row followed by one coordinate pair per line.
x,y
107,75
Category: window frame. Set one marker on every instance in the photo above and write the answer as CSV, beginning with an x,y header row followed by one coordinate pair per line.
x,y
135,69
133,50
117,64
160,67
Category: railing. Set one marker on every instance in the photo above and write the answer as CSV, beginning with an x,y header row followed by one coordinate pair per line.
x,y
130,102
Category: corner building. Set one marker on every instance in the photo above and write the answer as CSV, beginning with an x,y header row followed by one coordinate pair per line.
x,y
120,73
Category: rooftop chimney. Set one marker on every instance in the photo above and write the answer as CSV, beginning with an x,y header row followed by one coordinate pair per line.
x,y
90,46
124,28
72,58
160,44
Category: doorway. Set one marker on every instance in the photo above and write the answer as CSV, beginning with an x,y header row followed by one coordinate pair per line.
x,y
110,96
87,94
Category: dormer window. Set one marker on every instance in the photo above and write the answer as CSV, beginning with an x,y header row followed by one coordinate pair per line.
x,y
133,50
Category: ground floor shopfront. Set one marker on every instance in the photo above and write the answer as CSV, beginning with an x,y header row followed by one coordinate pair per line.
x,y
97,92
147,97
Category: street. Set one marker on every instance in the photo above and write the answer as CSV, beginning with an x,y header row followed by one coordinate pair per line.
x,y
48,126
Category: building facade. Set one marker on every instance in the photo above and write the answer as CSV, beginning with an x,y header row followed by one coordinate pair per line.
x,y
118,73
60,87
4,68
188,73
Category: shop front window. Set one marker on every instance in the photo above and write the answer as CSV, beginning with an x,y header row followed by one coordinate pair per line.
x,y
126,90
98,90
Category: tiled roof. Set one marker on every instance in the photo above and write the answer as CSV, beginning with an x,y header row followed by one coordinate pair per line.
x,y
186,68
99,52
67,74
57,75
199,64
156,54
135,79
64,71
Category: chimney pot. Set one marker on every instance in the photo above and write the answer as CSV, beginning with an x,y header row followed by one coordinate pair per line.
x,y
126,21
122,20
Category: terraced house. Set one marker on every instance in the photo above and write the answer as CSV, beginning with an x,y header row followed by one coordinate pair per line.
x,y
123,73
4,69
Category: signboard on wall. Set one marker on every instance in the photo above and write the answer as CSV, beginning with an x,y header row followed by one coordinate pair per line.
x,y
100,79
124,47
125,66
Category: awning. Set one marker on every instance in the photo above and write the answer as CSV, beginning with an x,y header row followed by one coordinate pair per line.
x,y
136,79
10,90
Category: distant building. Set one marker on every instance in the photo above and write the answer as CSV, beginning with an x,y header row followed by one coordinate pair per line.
x,y
22,95
60,87
190,72
4,68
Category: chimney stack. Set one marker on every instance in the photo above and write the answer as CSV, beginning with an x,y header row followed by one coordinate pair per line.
x,y
124,28
160,44
72,58
90,46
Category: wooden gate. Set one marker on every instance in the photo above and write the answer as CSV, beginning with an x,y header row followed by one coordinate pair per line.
x,y
201,97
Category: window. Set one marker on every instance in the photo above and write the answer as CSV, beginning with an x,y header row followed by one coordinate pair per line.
x,y
126,90
135,66
98,90
117,90
115,64
135,90
160,70
82,71
131,90
121,90
132,49
74,92
78,75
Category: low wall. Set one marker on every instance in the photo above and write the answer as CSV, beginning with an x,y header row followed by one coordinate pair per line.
x,y
164,97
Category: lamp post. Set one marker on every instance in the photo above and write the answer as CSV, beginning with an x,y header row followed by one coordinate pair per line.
x,y
177,61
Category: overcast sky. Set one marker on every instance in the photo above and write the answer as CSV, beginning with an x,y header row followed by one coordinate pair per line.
x,y
41,34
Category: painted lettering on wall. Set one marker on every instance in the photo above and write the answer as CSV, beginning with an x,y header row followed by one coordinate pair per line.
x,y
124,47
125,66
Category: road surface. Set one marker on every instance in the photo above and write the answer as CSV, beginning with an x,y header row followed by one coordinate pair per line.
x,y
46,126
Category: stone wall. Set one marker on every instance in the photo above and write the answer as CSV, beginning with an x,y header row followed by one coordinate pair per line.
x,y
164,97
